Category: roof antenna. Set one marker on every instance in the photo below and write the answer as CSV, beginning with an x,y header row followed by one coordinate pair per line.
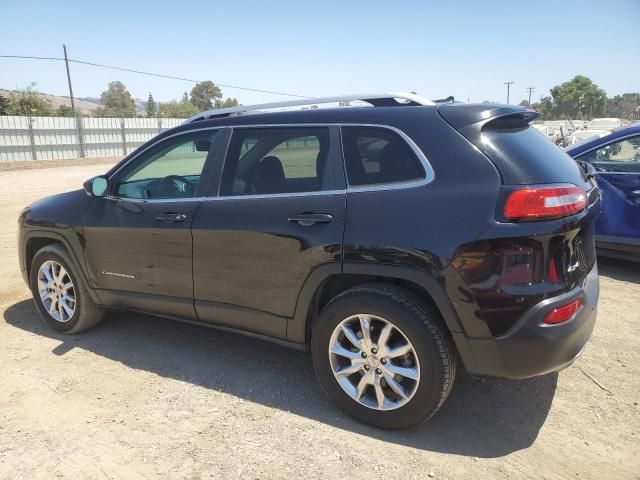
x,y
449,99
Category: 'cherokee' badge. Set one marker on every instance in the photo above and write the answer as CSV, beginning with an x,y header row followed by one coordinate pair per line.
x,y
116,274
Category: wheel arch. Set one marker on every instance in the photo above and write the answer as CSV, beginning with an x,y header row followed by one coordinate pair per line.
x,y
327,281
35,240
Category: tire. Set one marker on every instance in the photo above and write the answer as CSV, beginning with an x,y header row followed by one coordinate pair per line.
x,y
415,324
84,314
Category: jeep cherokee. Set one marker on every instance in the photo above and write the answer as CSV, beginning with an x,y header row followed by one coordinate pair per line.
x,y
394,240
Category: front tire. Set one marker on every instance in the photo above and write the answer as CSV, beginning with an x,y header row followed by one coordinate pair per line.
x,y
60,294
383,356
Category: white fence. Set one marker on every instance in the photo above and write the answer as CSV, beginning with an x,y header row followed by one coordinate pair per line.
x,y
54,138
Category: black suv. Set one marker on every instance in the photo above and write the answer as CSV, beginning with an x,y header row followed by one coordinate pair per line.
x,y
393,240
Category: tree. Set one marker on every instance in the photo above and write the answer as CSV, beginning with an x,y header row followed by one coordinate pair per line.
x,y
28,102
205,95
578,98
228,103
4,105
64,111
544,107
524,103
175,109
151,107
117,102
623,106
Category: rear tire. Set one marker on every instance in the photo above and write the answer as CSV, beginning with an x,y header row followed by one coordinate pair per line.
x,y
60,294
418,346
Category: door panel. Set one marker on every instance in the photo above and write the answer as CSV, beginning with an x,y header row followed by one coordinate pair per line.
x,y
248,253
127,249
620,218
255,246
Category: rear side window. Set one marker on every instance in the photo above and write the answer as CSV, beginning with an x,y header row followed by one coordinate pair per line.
x,y
376,155
275,160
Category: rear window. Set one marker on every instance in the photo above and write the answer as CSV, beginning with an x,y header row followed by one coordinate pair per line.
x,y
376,155
523,156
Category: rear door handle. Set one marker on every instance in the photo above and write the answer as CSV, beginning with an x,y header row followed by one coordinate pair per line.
x,y
171,217
308,219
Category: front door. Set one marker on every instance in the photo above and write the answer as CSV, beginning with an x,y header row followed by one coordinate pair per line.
x,y
138,245
279,215
618,174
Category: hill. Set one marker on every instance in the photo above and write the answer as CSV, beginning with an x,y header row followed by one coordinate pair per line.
x,y
84,105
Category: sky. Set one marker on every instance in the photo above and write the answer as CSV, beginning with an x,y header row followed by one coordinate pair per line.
x,y
323,48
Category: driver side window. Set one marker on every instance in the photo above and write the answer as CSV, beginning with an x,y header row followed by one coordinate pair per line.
x,y
171,171
620,156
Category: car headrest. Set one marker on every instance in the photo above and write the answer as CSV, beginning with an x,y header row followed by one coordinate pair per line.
x,y
270,176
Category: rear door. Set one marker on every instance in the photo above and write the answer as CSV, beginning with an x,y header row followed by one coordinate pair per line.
x,y
277,215
617,168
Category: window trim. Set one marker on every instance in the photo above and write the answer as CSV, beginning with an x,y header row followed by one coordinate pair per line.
x,y
212,193
429,174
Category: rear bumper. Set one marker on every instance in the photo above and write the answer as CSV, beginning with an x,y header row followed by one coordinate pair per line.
x,y
530,347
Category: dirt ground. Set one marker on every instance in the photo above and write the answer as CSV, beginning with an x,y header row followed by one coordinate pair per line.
x,y
143,397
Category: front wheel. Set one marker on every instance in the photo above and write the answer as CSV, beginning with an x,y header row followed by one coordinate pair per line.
x,y
60,294
383,356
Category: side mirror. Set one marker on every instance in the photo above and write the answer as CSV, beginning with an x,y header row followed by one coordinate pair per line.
x,y
96,186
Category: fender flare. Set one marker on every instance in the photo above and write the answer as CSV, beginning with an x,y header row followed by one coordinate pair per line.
x,y
77,264
296,327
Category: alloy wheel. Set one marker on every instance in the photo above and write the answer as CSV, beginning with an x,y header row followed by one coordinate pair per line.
x,y
56,290
374,362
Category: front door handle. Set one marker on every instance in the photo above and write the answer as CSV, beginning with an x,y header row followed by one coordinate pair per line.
x,y
171,217
308,219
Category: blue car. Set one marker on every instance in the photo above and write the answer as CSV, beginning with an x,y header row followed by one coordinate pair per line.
x,y
615,158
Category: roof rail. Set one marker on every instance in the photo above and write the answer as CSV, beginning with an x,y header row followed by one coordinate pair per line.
x,y
375,99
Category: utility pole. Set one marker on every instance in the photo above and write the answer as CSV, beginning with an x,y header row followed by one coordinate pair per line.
x,y
73,105
508,84
530,89
66,62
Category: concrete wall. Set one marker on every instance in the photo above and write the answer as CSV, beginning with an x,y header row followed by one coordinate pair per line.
x,y
55,138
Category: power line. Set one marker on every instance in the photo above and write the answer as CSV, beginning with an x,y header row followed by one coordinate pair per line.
x,y
171,77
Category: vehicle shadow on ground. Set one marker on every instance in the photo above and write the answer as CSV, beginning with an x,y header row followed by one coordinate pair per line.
x,y
623,270
481,418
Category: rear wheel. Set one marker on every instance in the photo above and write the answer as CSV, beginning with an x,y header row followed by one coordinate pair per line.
x,y
383,356
60,294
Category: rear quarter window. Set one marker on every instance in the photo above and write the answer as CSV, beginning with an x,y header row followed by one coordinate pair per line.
x,y
375,155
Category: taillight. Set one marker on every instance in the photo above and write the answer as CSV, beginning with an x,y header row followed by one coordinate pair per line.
x,y
563,313
534,203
